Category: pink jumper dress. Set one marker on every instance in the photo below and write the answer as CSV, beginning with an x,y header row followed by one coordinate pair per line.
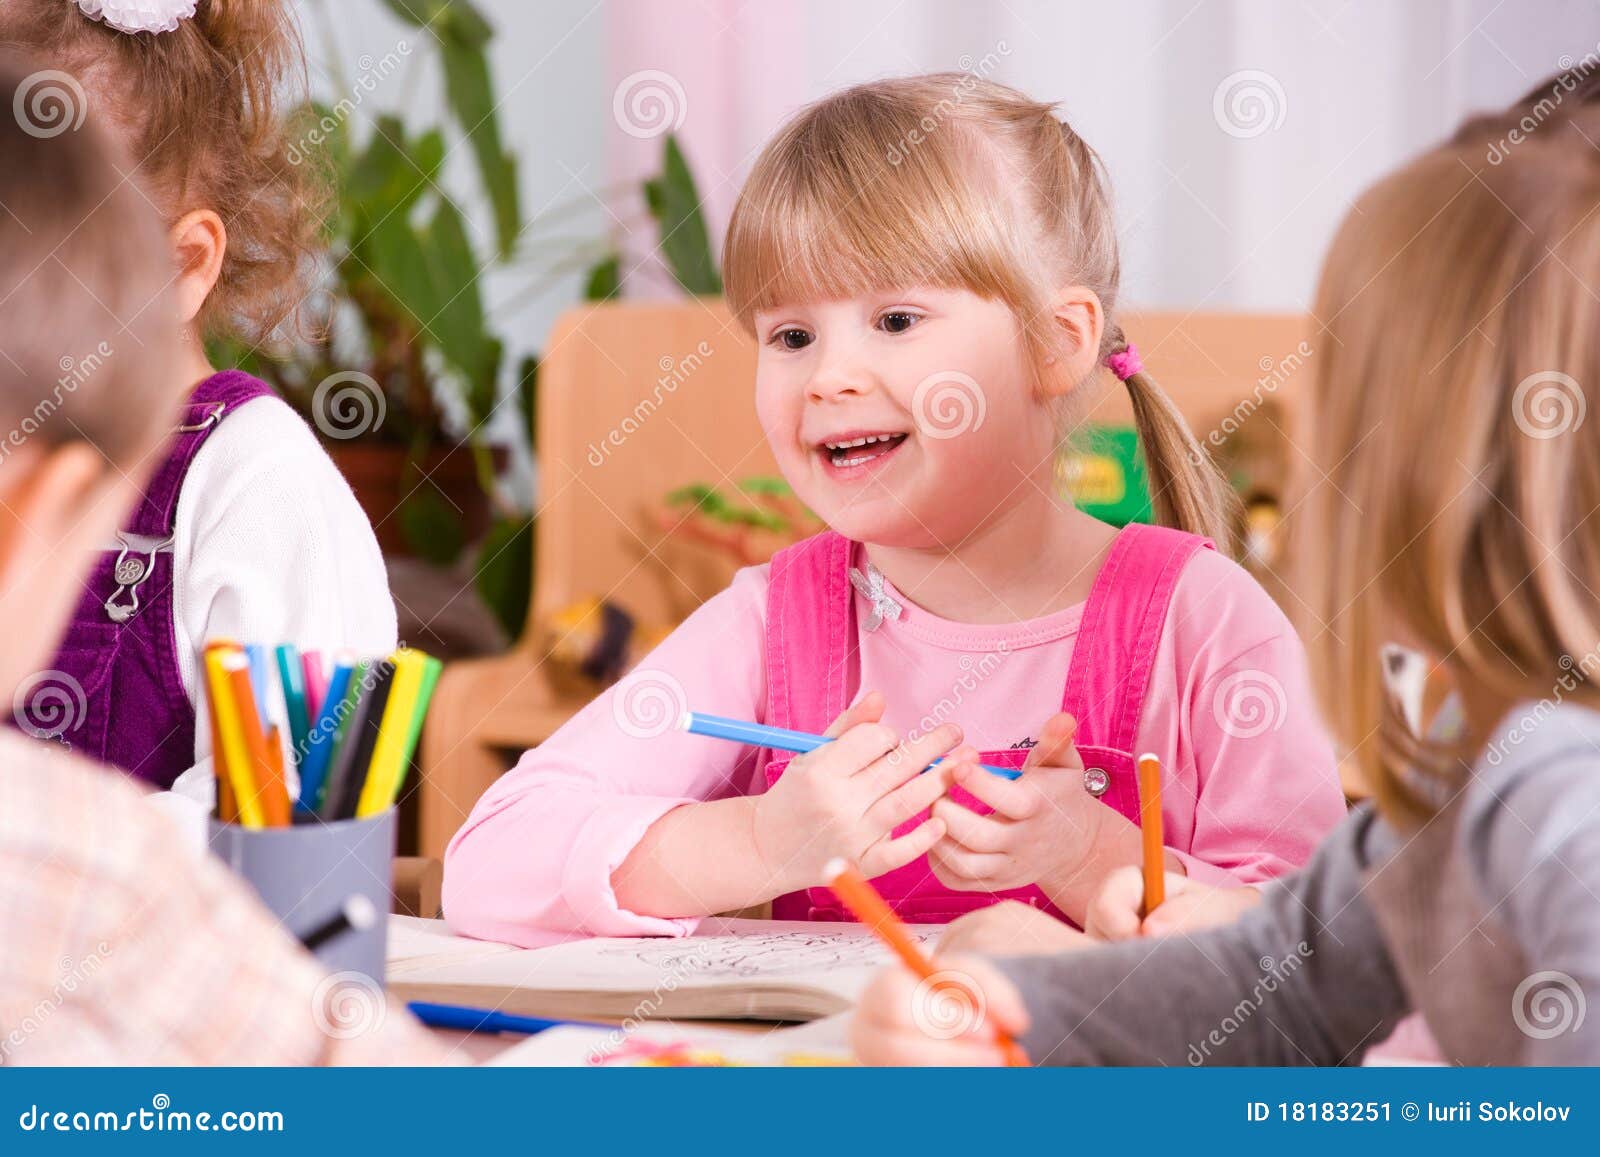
x,y
813,673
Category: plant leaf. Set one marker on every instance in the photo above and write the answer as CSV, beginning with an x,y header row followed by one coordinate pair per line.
x,y
503,572
469,92
431,527
685,245
605,279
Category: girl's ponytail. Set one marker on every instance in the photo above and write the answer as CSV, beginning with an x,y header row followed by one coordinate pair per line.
x,y
1186,489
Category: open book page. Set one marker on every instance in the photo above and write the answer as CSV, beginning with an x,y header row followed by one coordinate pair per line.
x,y
759,969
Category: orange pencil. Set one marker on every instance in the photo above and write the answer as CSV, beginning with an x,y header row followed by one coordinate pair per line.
x,y
270,788
1155,882
856,893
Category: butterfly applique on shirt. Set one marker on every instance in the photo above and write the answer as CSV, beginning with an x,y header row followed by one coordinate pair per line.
x,y
873,587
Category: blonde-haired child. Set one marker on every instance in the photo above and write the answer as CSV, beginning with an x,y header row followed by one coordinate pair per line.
x,y
932,309
245,529
1453,514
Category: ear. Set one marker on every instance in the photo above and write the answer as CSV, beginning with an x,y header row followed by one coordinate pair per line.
x,y
47,494
199,242
1078,323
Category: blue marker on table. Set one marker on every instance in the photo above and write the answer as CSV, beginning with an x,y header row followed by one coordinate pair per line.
x,y
778,738
485,1019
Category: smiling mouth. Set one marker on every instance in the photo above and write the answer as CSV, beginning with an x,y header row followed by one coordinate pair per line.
x,y
849,452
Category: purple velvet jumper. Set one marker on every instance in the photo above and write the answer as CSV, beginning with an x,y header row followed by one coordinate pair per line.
x,y
121,698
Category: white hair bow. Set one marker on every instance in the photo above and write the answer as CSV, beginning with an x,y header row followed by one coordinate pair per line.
x,y
138,15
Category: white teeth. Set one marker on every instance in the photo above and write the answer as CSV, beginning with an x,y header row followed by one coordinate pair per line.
x,y
867,441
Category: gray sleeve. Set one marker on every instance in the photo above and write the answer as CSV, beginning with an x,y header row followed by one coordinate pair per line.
x,y
1531,831
1303,978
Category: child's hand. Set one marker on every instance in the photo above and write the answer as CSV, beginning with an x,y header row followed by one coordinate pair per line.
x,y
1043,827
1010,928
1189,906
847,797
949,1019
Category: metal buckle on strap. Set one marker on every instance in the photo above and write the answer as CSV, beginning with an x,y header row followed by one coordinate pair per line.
x,y
214,414
130,572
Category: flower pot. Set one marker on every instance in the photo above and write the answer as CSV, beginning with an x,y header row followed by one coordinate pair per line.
x,y
377,473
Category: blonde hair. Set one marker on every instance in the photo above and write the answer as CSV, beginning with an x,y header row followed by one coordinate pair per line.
x,y
958,182
1456,456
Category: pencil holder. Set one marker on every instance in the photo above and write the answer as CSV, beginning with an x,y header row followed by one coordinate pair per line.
x,y
307,873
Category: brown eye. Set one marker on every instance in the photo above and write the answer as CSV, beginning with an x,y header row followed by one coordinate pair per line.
x,y
897,322
791,339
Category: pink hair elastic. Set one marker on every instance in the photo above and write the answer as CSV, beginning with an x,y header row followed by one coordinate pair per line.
x,y
1125,362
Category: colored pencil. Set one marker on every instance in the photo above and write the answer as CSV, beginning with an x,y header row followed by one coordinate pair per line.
x,y
260,682
777,738
356,914
315,681
430,679
486,1020
265,766
293,679
354,756
227,810
389,749
320,744
1155,881
230,733
856,893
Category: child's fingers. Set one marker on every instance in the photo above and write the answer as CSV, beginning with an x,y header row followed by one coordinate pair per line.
x,y
910,757
896,1022
888,853
1012,798
867,709
1054,748
915,795
863,745
967,828
1113,914
972,867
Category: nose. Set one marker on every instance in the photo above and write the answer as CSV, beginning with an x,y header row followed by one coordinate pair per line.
x,y
840,373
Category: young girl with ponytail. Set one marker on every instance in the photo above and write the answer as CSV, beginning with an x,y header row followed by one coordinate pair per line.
x,y
932,318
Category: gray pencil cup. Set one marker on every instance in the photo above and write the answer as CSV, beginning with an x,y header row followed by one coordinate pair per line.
x,y
305,875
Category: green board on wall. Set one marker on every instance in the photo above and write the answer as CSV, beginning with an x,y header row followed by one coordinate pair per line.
x,y
1103,473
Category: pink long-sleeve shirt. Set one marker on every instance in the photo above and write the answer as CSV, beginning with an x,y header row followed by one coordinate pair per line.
x,y
1251,783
